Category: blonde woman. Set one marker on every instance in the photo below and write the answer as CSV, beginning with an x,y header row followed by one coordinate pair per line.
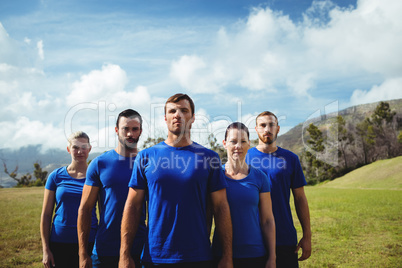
x,y
64,189
249,198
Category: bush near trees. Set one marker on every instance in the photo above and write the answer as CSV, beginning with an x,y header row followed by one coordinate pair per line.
x,y
26,180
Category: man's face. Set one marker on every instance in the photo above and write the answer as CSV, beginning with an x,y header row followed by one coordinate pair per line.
x,y
129,131
267,129
179,117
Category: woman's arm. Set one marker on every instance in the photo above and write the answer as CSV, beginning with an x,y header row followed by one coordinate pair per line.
x,y
49,201
268,227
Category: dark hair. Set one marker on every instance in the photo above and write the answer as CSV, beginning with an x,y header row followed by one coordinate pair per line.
x,y
129,113
264,114
178,97
237,125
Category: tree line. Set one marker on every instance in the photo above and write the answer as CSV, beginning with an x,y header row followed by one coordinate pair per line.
x,y
353,144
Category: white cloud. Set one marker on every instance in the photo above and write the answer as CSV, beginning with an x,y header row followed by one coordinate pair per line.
x,y
41,53
268,51
23,132
361,39
192,73
388,90
302,84
98,85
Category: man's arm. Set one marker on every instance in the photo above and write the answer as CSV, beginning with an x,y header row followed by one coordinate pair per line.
x,y
88,201
268,227
223,226
129,225
303,214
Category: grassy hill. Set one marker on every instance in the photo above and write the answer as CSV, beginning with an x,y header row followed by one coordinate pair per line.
x,y
382,174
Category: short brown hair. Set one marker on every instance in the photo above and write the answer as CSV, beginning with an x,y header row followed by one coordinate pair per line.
x,y
264,114
178,97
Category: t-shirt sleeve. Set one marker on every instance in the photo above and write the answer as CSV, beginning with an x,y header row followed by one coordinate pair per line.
x,y
298,176
50,182
138,178
93,178
217,179
265,183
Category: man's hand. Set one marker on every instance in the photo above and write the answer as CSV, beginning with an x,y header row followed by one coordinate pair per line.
x,y
126,262
271,263
225,263
85,261
305,245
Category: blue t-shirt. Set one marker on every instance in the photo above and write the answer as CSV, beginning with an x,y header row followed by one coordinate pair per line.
x,y
68,191
178,181
243,197
284,171
111,172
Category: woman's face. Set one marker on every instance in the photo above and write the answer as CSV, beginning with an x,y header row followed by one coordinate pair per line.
x,y
79,149
236,144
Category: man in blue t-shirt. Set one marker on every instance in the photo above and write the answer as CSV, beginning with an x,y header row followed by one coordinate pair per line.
x,y
107,181
284,169
177,177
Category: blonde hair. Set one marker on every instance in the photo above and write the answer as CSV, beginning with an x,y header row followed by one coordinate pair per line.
x,y
77,135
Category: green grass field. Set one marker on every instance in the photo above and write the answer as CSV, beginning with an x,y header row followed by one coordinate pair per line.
x,y
356,221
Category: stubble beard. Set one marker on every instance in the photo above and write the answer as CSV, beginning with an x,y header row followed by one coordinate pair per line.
x,y
267,140
127,145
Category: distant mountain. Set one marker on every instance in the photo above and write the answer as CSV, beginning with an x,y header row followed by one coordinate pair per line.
x,y
25,157
293,139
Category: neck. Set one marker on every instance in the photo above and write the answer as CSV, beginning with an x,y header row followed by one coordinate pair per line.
x,y
126,152
78,166
267,148
236,167
178,141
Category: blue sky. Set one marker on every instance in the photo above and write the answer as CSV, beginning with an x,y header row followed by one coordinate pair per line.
x,y
73,65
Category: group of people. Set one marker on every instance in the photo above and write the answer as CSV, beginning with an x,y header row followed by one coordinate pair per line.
x,y
157,206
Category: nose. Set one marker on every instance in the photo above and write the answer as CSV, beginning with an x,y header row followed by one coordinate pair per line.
x,y
178,114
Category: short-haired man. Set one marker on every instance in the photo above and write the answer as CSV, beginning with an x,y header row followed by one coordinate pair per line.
x,y
285,172
178,176
108,176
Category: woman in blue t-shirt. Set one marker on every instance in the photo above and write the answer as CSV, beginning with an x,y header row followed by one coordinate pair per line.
x,y
64,189
249,198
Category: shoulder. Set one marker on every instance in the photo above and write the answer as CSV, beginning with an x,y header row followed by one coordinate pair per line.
x,y
160,147
106,156
56,176
257,172
58,171
286,153
204,150
253,151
